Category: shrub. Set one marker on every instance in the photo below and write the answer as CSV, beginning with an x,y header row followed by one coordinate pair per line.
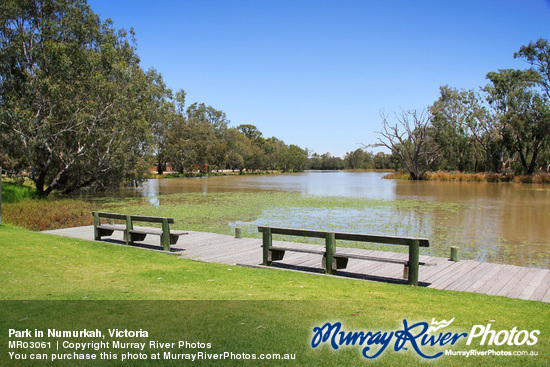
x,y
16,193
44,214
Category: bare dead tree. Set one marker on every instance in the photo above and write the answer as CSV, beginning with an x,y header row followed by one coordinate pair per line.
x,y
408,138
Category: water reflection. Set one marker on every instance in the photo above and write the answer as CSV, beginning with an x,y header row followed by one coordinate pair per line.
x,y
320,183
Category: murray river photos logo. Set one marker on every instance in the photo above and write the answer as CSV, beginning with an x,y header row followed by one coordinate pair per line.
x,y
417,336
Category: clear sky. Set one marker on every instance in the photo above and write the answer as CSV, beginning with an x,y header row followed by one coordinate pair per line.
x,y
318,73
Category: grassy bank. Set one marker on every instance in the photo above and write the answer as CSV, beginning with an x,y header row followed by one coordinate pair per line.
x,y
276,310
540,178
13,193
193,211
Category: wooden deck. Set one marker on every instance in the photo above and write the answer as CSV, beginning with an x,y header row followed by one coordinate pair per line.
x,y
466,276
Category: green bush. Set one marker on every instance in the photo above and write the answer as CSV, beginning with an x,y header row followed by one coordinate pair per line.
x,y
16,193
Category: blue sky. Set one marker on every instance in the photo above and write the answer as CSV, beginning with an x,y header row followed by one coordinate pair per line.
x,y
318,73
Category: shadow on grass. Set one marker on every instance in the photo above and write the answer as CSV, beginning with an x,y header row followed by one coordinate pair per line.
x,y
145,246
345,274
305,269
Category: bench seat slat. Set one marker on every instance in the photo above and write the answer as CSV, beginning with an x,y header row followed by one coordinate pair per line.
x,y
298,249
347,255
157,231
371,258
112,227
381,259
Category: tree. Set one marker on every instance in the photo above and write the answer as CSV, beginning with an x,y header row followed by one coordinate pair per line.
x,y
272,153
382,161
454,114
359,159
207,135
523,114
409,139
73,96
467,131
538,54
295,159
250,131
166,115
239,149
177,147
253,147
326,162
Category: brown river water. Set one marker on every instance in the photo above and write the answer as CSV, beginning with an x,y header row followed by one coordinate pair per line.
x,y
495,222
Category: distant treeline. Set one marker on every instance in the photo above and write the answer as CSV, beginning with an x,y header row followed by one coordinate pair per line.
x,y
358,159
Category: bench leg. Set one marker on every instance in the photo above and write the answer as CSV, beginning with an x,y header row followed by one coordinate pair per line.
x,y
97,234
129,227
275,255
337,262
100,232
173,239
165,238
414,258
330,264
266,245
137,237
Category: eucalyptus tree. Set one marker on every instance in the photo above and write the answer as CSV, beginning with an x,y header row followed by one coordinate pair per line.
x,y
273,153
74,99
523,114
469,132
295,159
359,158
178,147
250,131
456,116
520,100
254,148
239,149
168,111
327,162
409,139
208,136
537,54
384,161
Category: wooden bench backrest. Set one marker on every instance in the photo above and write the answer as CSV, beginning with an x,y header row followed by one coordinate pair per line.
x,y
392,240
137,218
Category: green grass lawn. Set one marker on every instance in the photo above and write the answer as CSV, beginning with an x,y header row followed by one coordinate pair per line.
x,y
48,281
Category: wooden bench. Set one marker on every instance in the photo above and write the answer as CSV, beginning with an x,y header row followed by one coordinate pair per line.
x,y
333,259
132,234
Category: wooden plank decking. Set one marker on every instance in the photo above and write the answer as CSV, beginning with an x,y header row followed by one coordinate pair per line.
x,y
466,276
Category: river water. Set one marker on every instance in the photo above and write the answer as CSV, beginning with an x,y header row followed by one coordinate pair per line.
x,y
495,222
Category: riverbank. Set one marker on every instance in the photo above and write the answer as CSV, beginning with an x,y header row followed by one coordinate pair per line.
x,y
539,178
